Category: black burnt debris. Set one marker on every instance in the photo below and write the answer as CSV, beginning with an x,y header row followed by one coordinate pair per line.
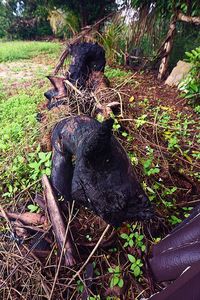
x,y
186,287
86,69
178,250
102,178
86,58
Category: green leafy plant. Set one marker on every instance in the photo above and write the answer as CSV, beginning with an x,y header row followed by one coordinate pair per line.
x,y
95,297
148,165
129,239
79,286
134,238
174,220
40,163
116,73
116,279
33,208
133,158
141,120
187,211
136,265
190,85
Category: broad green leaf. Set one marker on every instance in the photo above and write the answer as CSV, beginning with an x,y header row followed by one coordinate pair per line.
x,y
131,258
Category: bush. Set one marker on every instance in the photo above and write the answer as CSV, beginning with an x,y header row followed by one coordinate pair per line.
x,y
191,84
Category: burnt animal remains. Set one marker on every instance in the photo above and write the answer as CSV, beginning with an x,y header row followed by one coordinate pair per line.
x,y
102,178
86,58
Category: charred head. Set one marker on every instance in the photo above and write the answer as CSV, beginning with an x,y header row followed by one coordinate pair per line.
x,y
86,58
103,179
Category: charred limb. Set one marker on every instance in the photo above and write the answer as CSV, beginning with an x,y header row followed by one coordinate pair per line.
x,y
103,179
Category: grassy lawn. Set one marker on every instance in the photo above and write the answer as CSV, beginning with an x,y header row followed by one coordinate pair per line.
x,y
22,85
15,50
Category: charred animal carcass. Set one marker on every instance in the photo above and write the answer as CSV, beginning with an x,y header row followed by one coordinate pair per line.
x,y
102,178
87,59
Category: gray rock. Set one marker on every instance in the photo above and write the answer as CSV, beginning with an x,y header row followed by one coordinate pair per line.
x,y
178,73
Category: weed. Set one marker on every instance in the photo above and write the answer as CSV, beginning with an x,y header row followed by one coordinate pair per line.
x,y
187,211
133,158
33,208
79,286
136,265
148,165
129,239
116,73
134,239
88,237
95,297
141,120
190,85
174,220
18,134
116,279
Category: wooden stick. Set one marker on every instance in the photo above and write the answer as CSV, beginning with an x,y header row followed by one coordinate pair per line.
x,y
27,218
57,223
89,257
73,87
62,252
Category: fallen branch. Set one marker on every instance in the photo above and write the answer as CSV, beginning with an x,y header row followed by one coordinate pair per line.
x,y
62,252
57,223
27,218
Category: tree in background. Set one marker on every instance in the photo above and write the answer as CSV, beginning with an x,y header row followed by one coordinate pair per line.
x,y
25,17
87,11
151,13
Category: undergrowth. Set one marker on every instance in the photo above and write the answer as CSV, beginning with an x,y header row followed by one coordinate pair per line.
x,y
22,162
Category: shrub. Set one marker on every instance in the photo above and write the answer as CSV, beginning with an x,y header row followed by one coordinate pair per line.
x,y
191,84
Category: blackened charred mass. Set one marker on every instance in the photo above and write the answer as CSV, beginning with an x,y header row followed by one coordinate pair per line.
x,y
87,57
103,179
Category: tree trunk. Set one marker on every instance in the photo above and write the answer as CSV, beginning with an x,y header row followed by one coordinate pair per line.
x,y
166,48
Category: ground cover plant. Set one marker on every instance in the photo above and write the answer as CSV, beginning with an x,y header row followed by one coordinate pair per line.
x,y
160,132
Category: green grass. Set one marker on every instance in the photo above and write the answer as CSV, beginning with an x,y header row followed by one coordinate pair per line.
x,y
116,73
15,50
19,132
